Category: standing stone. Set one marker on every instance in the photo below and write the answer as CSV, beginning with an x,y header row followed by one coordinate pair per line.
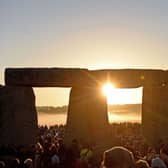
x,y
87,119
155,114
18,116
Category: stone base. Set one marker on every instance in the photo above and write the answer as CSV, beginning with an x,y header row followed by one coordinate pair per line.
x,y
87,119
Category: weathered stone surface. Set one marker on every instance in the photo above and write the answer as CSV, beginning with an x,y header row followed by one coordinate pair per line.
x,y
155,114
18,117
66,77
45,77
87,117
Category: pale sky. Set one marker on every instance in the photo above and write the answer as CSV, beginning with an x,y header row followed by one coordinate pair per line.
x,y
92,34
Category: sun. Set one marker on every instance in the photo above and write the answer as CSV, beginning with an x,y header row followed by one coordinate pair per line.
x,y
114,95
107,89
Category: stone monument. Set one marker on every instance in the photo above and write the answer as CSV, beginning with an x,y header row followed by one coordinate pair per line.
x,y
87,112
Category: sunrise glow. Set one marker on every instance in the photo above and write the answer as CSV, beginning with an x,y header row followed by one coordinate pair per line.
x,y
121,96
108,90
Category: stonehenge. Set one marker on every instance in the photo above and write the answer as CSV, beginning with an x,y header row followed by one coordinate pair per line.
x,y
87,111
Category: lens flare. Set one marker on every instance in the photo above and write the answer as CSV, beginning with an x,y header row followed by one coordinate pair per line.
x,y
108,88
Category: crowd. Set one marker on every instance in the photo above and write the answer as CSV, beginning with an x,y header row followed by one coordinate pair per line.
x,y
130,150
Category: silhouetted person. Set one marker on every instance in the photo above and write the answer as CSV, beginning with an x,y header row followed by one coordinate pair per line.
x,y
142,164
118,157
28,163
2,164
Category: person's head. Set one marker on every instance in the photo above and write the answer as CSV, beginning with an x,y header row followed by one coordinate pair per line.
x,y
28,163
118,157
2,164
142,164
39,148
158,163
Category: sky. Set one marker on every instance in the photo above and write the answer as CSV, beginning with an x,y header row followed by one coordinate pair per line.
x,y
92,34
